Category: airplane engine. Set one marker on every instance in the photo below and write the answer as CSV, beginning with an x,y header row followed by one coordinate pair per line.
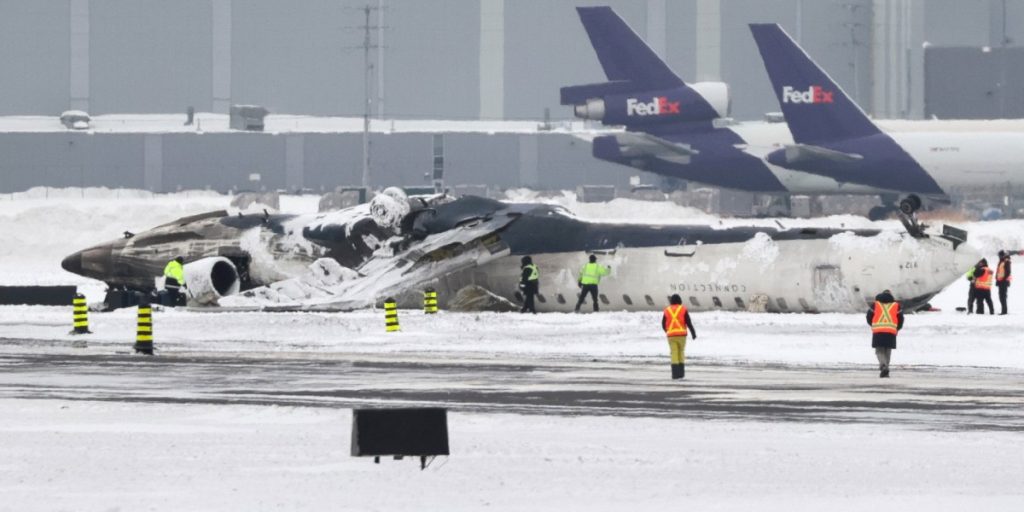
x,y
717,95
209,279
703,101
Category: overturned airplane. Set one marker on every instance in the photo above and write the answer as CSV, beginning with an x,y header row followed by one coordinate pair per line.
x,y
396,246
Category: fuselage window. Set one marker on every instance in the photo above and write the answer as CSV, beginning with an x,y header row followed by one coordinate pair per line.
x,y
649,300
627,300
560,298
739,303
717,301
604,299
541,298
805,305
694,301
782,304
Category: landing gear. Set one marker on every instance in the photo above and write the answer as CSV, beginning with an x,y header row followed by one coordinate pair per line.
x,y
910,204
880,213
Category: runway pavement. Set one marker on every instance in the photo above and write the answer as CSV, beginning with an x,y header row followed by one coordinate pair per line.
x,y
932,398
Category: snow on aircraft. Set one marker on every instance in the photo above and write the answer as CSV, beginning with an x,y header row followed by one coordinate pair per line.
x,y
395,246
681,130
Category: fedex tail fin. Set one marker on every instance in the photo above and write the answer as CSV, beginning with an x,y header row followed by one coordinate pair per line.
x,y
816,108
623,55
641,89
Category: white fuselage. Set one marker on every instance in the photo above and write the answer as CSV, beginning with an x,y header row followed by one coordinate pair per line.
x,y
840,274
957,154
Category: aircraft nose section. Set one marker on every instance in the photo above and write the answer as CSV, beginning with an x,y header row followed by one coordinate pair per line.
x,y
73,263
95,262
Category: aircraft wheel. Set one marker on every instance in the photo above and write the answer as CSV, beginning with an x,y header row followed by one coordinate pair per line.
x,y
910,204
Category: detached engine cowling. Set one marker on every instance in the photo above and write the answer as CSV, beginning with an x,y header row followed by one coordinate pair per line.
x,y
703,101
209,279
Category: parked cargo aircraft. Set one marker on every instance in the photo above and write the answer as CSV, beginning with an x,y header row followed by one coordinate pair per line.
x,y
834,138
395,246
681,130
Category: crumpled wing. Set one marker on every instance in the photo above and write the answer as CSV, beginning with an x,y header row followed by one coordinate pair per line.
x,y
469,245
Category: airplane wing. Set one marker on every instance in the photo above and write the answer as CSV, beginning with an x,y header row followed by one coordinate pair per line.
x,y
386,274
635,144
812,156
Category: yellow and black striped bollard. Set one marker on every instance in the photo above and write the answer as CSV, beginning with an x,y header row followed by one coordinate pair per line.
x,y
81,315
144,331
429,301
390,315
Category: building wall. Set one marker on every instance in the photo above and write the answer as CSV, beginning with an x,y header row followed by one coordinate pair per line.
x,y
124,56
229,161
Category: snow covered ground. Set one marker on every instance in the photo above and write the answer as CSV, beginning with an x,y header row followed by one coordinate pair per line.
x,y
69,440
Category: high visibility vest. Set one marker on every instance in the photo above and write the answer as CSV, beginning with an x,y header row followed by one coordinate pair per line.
x,y
886,319
534,273
175,271
675,319
984,281
592,272
1001,276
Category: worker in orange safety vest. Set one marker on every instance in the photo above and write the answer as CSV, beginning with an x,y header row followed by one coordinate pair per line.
x,y
984,278
886,319
677,324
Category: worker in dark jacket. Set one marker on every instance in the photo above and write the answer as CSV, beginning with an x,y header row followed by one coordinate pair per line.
x,y
1003,278
886,319
970,287
984,278
676,323
529,283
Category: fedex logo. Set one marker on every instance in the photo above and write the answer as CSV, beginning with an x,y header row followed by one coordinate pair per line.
x,y
814,94
659,106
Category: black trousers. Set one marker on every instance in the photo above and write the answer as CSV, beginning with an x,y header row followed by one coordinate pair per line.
x,y
1002,296
592,290
983,297
970,299
528,304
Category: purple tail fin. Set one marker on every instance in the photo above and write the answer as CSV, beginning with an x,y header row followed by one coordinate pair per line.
x,y
623,55
816,108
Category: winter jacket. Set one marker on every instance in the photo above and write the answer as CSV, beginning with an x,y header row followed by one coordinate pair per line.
x,y
881,339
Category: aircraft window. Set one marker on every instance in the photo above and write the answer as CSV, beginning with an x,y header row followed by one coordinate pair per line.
x,y
649,300
803,304
604,299
560,298
694,301
519,297
541,298
782,304
739,303
627,300
717,301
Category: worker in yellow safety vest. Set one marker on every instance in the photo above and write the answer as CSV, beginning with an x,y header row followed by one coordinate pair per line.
x,y
590,277
676,324
174,280
529,283
984,278
885,319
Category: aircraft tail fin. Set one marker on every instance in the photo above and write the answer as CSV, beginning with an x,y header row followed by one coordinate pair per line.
x,y
817,110
628,62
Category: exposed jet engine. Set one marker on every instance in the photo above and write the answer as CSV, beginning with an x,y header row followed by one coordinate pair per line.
x,y
208,280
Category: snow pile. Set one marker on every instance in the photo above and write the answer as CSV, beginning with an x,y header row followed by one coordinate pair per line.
x,y
761,249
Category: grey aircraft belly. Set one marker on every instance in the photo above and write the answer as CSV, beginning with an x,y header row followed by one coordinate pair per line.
x,y
396,246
